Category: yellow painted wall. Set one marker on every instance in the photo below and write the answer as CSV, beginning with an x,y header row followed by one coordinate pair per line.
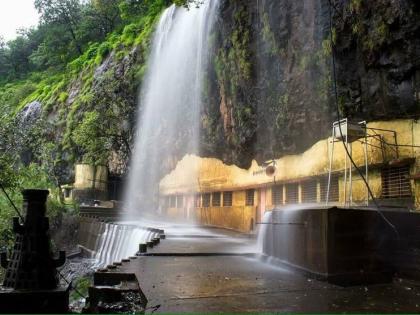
x,y
239,218
359,190
85,174
238,198
269,198
194,174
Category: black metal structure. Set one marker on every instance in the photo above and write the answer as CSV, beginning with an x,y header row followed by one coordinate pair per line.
x,y
31,284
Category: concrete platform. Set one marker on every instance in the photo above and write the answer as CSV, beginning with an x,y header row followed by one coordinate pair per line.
x,y
212,271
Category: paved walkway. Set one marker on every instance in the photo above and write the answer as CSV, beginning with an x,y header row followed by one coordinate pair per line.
x,y
209,270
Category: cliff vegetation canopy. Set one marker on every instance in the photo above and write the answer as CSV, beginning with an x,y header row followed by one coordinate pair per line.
x,y
56,83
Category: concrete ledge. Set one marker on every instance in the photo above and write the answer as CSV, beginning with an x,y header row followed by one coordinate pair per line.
x,y
112,278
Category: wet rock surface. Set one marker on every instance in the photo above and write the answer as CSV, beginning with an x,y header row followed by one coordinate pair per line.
x,y
378,57
270,90
30,114
27,120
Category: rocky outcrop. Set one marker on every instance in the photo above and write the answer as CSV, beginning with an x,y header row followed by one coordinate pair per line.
x,y
268,87
28,121
111,91
30,114
272,77
378,64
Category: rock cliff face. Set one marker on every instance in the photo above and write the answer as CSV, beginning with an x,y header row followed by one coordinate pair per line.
x,y
378,57
268,87
270,92
112,93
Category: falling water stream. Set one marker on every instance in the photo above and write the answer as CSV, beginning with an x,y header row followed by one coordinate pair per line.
x,y
265,226
168,120
170,100
119,241
168,125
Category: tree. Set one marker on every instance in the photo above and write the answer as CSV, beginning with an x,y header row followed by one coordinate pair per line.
x,y
132,8
93,138
100,133
107,14
100,17
56,49
5,62
63,13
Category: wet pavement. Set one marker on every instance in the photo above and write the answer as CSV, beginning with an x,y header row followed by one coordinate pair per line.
x,y
212,270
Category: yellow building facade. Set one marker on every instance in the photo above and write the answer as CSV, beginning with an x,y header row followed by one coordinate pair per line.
x,y
91,182
209,192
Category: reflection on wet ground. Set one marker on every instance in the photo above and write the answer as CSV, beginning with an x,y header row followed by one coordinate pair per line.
x,y
210,270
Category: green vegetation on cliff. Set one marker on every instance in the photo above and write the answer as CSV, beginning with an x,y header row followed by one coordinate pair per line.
x,y
68,92
81,59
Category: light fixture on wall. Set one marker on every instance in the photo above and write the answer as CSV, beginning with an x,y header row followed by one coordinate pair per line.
x,y
270,167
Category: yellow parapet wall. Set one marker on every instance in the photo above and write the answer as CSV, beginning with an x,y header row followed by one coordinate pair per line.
x,y
238,218
195,174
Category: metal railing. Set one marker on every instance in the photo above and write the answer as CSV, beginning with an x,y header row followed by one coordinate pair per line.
x,y
309,191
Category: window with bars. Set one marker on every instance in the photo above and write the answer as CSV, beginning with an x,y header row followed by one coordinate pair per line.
x,y
396,182
227,199
206,200
172,202
292,193
179,201
334,189
216,199
249,197
277,195
309,191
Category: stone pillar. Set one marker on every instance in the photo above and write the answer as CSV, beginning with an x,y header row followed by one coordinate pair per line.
x,y
31,283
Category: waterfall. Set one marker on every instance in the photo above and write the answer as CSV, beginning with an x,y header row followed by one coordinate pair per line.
x,y
279,229
170,100
119,241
